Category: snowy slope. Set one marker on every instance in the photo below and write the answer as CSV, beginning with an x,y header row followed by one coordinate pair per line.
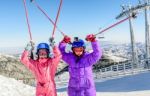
x,y
138,82
137,85
11,87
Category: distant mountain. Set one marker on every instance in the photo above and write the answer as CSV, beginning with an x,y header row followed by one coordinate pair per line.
x,y
10,66
11,50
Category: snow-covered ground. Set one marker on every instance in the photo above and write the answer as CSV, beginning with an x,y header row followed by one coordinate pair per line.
x,y
11,87
139,93
134,85
137,85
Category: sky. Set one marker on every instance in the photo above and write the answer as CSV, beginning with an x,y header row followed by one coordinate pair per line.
x,y
77,18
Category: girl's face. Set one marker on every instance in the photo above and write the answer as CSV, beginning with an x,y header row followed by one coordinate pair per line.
x,y
42,53
78,51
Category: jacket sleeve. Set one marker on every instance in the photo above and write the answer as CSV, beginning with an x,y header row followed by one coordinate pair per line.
x,y
96,54
65,56
29,63
57,55
55,60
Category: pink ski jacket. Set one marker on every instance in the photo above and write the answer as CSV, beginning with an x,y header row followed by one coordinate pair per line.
x,y
44,71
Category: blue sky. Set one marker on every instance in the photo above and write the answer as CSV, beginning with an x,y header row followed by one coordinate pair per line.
x,y
77,18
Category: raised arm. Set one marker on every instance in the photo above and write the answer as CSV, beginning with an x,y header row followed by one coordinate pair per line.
x,y
57,55
56,51
62,47
65,55
97,51
26,60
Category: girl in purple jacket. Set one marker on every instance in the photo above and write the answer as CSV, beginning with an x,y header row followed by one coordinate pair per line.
x,y
80,63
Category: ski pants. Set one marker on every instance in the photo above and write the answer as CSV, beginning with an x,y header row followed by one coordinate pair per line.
x,y
81,92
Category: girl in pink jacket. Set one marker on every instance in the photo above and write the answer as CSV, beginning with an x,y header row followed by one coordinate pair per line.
x,y
44,68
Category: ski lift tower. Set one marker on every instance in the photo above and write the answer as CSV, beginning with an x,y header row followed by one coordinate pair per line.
x,y
128,11
147,35
132,11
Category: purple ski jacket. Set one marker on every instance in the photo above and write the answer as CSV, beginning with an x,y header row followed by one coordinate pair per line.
x,y
81,72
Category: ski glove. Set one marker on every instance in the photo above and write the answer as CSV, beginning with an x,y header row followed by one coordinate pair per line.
x,y
66,39
91,38
30,46
52,42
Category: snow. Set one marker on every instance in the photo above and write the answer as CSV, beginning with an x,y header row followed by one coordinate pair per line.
x,y
116,58
11,87
126,84
139,93
133,85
